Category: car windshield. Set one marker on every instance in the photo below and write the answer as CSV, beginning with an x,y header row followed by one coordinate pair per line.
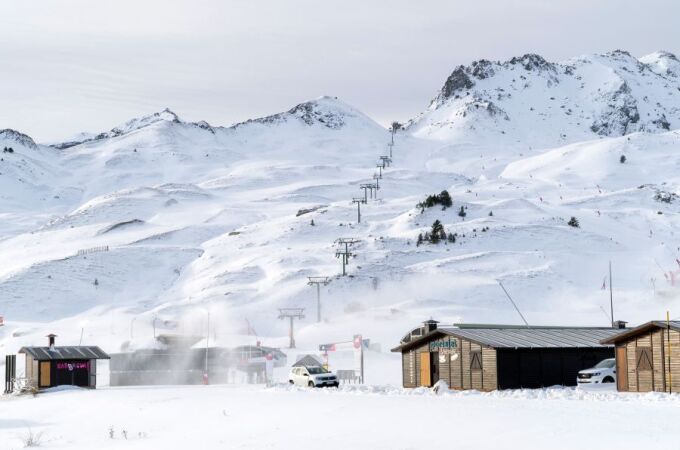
x,y
605,364
316,370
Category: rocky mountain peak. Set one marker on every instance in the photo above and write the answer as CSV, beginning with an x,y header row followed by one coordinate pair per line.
x,y
7,136
325,111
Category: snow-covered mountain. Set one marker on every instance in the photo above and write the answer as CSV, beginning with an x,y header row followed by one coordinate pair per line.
x,y
530,101
158,219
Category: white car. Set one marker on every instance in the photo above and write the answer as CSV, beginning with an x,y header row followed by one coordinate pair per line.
x,y
312,377
603,372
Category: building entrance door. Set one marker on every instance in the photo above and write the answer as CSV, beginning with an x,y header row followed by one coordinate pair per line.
x,y
45,378
425,370
434,358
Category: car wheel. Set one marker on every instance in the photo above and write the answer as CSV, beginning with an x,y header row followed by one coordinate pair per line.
x,y
608,380
311,384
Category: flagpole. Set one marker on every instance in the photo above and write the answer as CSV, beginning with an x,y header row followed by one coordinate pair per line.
x,y
611,295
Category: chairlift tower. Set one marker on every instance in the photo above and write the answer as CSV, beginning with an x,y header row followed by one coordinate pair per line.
x,y
377,177
386,160
374,190
345,253
358,201
366,187
318,281
380,169
292,314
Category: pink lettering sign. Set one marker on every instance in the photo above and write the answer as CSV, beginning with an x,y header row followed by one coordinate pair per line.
x,y
71,366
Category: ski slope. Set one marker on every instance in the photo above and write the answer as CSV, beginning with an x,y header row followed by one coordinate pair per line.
x,y
232,220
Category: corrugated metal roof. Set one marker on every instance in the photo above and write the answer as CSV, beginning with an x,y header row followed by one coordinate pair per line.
x,y
675,324
68,352
534,337
628,333
308,361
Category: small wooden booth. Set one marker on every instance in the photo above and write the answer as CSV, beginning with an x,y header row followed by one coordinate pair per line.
x,y
648,357
490,357
67,365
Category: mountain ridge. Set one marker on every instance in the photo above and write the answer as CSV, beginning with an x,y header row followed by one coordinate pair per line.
x,y
610,94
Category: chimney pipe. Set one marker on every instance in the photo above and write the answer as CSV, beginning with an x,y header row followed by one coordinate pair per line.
x,y
430,325
51,337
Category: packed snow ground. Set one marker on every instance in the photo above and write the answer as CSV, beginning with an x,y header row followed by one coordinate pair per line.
x,y
219,417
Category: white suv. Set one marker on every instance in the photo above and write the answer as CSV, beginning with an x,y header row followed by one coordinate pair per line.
x,y
312,377
603,372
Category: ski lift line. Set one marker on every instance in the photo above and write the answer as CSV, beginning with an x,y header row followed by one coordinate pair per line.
x,y
605,314
513,302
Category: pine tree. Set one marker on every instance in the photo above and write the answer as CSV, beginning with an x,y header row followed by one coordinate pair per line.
x,y
420,240
573,222
452,238
462,212
312,222
622,159
445,199
490,213
437,230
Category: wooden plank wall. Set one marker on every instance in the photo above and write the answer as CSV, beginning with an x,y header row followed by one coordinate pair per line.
x,y
445,367
408,368
644,377
476,379
457,367
632,372
456,372
485,379
675,361
490,370
657,378
465,358
659,383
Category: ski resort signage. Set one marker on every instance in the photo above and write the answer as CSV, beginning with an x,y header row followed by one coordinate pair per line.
x,y
444,347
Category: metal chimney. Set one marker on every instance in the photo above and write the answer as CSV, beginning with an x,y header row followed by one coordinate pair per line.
x,y
51,337
429,325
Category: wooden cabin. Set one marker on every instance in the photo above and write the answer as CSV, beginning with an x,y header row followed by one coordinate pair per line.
x,y
490,357
66,365
648,357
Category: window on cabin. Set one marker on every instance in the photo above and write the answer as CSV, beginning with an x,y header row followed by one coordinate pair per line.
x,y
643,356
476,360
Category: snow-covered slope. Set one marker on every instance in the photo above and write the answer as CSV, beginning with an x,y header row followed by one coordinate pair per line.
x,y
159,219
533,102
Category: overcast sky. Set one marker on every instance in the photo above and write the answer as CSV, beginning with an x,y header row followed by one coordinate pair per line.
x,y
82,65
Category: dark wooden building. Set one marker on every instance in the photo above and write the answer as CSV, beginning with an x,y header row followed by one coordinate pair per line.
x,y
648,357
490,357
64,365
